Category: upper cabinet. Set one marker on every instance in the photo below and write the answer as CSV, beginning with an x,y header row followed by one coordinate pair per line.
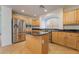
x,y
77,15
36,22
70,17
26,19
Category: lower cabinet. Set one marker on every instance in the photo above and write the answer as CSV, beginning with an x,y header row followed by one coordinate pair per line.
x,y
55,37
77,44
68,39
58,37
45,44
61,38
71,40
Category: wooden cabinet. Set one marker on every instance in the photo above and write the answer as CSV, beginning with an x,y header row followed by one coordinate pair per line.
x,y
70,17
77,16
68,39
71,40
35,31
26,19
37,44
54,37
45,44
57,37
34,44
61,37
77,44
36,22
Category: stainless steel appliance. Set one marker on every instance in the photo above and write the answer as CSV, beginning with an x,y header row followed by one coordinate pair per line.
x,y
18,33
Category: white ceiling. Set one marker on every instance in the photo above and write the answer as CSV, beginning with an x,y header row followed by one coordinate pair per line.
x,y
34,9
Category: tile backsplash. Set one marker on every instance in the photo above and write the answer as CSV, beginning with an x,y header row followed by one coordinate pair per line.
x,y
71,27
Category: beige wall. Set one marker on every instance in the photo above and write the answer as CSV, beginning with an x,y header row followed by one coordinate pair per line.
x,y
6,29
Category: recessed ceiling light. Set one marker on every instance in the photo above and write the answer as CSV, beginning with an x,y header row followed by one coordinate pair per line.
x,y
22,10
45,10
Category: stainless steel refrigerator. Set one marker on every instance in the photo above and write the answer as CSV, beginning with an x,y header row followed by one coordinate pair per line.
x,y
18,33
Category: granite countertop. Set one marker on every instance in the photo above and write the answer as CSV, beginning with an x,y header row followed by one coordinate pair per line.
x,y
51,30
66,30
38,28
39,33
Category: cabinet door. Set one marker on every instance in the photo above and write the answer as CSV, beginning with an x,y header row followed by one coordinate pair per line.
x,y
58,37
61,38
55,37
77,45
36,22
77,41
71,40
66,16
77,16
69,17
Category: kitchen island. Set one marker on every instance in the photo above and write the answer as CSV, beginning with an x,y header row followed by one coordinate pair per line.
x,y
38,42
